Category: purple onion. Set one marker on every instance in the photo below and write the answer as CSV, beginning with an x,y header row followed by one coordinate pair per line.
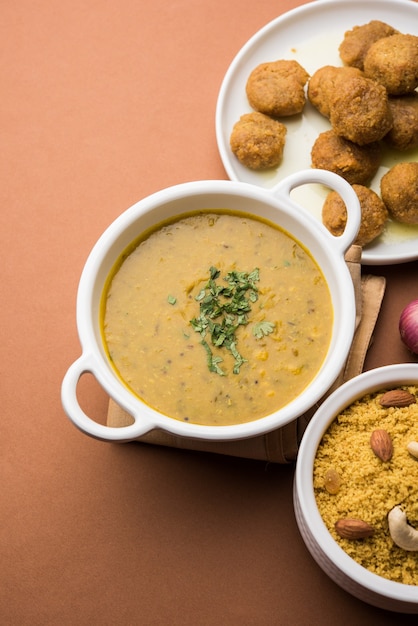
x,y
408,326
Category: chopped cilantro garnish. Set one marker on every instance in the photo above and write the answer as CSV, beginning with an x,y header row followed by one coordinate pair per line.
x,y
223,308
171,300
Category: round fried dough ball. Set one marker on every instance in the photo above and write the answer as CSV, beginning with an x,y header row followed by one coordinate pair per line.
x,y
393,62
277,88
324,82
373,214
258,141
404,132
359,110
358,40
357,164
399,191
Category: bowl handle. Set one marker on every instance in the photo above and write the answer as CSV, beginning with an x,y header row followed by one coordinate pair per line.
x,y
338,184
81,420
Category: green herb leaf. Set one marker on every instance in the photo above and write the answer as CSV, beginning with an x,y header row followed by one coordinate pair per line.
x,y
254,276
239,360
262,329
212,360
200,295
171,300
214,272
200,324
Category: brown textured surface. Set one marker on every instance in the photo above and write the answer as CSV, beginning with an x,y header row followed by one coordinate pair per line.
x,y
103,103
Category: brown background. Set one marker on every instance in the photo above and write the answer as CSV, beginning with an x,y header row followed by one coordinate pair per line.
x,y
103,102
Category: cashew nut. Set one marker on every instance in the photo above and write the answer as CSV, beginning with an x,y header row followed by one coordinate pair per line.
x,y
402,533
412,448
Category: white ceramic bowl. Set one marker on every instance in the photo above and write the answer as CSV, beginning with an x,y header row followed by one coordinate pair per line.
x,y
346,572
275,205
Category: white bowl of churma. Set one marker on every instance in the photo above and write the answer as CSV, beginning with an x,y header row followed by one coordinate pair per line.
x,y
356,487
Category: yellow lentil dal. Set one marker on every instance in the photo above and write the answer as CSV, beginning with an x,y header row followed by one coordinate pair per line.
x,y
152,296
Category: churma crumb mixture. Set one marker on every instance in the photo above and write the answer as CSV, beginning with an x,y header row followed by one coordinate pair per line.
x,y
366,488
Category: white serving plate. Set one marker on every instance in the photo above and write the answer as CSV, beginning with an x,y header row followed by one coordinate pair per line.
x,y
311,35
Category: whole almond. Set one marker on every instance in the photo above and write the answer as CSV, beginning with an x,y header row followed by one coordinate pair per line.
x,y
397,398
352,528
381,444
